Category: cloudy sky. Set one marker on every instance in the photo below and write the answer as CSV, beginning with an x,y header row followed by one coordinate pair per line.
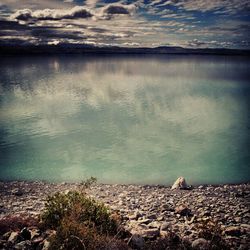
x,y
133,23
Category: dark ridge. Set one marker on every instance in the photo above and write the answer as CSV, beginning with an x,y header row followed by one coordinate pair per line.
x,y
11,48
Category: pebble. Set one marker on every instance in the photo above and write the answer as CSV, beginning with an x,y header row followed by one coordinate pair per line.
x,y
200,244
148,211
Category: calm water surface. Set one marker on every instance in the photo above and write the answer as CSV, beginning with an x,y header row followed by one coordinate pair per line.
x,y
131,119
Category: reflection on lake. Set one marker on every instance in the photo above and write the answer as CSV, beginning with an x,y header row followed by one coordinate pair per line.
x,y
127,119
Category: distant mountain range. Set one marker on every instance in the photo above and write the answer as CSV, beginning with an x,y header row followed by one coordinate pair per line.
x,y
14,49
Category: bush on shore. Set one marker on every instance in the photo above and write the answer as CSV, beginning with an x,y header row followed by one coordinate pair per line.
x,y
81,223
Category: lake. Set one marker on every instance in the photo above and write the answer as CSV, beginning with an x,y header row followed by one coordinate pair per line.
x,y
125,119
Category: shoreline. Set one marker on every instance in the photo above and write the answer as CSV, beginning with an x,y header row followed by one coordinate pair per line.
x,y
77,182
148,210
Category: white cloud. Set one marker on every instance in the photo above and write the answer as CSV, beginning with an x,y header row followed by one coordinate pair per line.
x,y
91,3
230,6
52,14
124,24
36,4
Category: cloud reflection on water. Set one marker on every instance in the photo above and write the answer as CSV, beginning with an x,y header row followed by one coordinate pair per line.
x,y
124,116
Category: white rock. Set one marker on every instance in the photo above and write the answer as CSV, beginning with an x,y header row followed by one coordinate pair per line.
x,y
13,237
46,245
180,183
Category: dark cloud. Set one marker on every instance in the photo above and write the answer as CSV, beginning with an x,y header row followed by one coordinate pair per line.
x,y
4,10
44,33
127,22
118,9
56,34
24,15
11,25
98,30
52,14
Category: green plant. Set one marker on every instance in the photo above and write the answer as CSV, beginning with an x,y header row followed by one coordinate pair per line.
x,y
85,210
88,183
74,235
81,223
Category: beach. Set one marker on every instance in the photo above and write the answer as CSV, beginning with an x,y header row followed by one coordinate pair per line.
x,y
149,211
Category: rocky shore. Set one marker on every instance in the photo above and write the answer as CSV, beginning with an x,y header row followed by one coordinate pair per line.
x,y
148,212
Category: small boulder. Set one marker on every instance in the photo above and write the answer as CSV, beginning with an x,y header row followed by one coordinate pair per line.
x,y
164,230
34,232
23,245
232,231
6,235
150,233
152,216
46,245
183,210
165,226
180,183
154,224
14,236
200,244
144,221
17,192
137,241
135,216
25,234
37,240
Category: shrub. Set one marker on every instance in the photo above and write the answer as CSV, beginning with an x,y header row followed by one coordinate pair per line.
x,y
87,183
81,223
84,209
73,235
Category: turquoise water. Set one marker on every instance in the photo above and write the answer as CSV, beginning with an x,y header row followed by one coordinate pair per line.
x,y
125,119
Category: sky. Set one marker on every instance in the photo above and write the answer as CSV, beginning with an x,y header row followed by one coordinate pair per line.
x,y
127,23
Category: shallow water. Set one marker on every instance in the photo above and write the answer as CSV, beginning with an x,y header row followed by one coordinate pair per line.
x,y
125,119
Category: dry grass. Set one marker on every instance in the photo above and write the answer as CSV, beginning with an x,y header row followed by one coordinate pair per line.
x,y
16,223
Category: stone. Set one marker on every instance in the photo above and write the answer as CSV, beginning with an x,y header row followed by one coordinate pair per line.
x,y
237,219
180,183
232,231
135,216
34,233
152,216
150,233
246,228
183,210
137,241
154,224
37,240
23,245
6,235
46,245
13,237
144,221
200,244
3,244
165,226
17,192
25,234
160,218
